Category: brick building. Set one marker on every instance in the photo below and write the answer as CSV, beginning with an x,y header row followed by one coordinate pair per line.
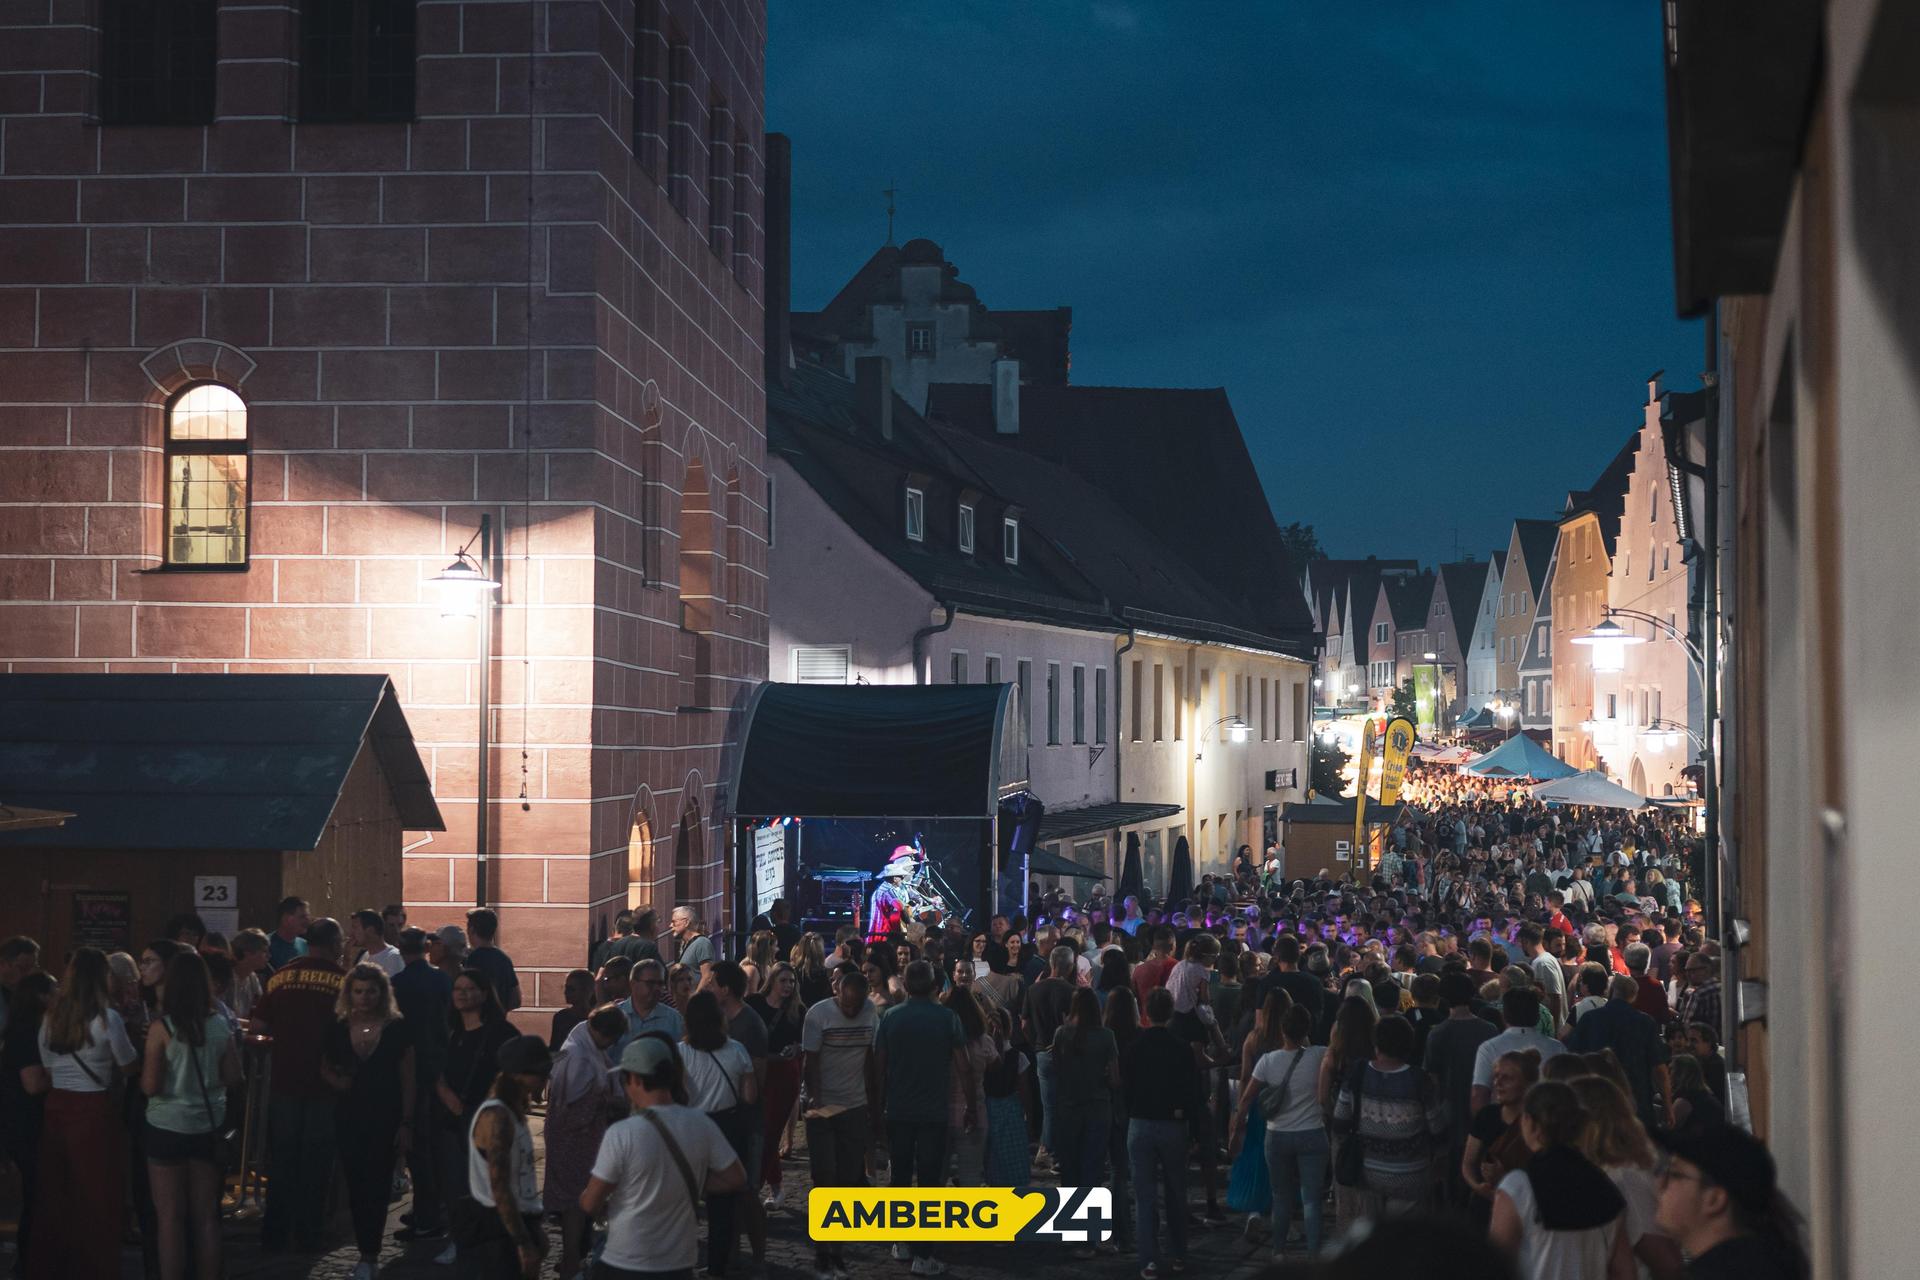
x,y
292,295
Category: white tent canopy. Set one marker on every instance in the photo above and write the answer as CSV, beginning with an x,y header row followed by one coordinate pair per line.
x,y
1591,788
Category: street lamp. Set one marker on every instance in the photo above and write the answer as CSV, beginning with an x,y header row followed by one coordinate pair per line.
x,y
1607,645
469,587
1236,732
1661,734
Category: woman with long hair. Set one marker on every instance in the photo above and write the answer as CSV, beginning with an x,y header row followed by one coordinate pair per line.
x,y
80,1203
1086,1071
1495,1145
477,1027
810,966
1693,1106
759,960
583,1098
367,1058
1560,1215
1249,1190
1284,1081
681,982
968,1147
977,952
1394,1110
1115,973
153,987
1614,1139
191,1061
878,987
778,1005
720,1082
23,1089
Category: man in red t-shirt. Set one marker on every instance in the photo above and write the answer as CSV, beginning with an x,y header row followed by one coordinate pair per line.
x,y
297,1011
1152,972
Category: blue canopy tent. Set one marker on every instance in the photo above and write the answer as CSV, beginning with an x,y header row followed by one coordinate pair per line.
x,y
1519,757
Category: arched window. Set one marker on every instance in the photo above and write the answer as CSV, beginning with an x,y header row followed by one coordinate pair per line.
x,y
206,449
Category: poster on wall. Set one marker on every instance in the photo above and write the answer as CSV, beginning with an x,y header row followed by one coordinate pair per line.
x,y
769,867
216,900
103,918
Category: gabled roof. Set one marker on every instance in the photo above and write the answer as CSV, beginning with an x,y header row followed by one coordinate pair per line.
x,y
1537,539
1175,460
815,424
1409,598
1038,339
1500,561
1146,583
245,762
1531,659
1328,579
1607,499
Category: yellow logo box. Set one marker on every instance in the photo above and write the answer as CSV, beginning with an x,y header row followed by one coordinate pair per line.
x,y
1075,1215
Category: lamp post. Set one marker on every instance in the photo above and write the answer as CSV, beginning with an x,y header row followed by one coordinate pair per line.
x,y
468,588
1236,732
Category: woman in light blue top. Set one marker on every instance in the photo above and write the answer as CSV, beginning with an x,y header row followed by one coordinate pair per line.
x,y
191,1060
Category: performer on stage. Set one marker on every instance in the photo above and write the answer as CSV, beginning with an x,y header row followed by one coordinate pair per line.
x,y
892,899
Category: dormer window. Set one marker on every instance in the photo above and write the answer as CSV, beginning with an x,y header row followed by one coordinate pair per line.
x,y
916,514
1010,540
963,527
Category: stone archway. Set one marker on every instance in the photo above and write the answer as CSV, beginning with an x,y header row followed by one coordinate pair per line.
x,y
1637,777
690,859
639,871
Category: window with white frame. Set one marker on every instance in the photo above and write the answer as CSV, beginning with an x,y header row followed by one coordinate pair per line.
x,y
1099,704
1379,633
1010,540
963,528
957,667
822,663
916,514
993,668
1024,679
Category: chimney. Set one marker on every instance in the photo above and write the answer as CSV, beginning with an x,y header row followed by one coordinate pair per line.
x,y
1006,396
778,271
873,392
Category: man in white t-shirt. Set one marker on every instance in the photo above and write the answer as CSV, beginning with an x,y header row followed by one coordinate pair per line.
x,y
641,1176
1547,974
838,1084
1520,1008
370,932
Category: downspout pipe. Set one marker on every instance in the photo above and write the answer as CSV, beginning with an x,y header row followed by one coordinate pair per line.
x,y
1119,744
920,638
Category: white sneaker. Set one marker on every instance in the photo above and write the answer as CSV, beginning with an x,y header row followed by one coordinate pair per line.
x,y
902,1253
447,1256
929,1267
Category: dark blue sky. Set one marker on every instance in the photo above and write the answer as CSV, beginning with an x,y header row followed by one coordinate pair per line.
x,y
1422,243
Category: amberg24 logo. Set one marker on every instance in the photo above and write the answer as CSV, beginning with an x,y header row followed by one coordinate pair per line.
x,y
1075,1215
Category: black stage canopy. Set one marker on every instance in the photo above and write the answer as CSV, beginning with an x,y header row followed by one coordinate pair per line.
x,y
1064,824
878,751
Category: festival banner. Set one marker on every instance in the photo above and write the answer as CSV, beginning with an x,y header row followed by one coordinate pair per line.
x,y
1393,760
1362,768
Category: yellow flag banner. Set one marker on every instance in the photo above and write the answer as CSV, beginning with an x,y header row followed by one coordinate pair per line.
x,y
1362,769
1393,760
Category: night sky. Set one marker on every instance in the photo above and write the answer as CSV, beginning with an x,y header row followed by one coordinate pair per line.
x,y
1422,243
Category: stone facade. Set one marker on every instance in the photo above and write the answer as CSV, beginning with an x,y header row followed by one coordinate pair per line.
x,y
534,300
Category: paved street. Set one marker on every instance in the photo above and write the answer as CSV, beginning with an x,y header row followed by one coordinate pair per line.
x,y
1220,1253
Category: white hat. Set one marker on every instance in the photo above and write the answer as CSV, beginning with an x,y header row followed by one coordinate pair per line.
x,y
898,867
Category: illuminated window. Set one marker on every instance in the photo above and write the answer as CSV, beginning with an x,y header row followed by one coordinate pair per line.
x,y
206,457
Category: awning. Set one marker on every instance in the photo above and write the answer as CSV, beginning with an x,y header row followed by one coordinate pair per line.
x,y
1519,757
201,761
1042,863
879,751
15,818
1064,824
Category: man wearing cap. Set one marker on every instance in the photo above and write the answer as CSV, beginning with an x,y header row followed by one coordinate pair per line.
x,y
1719,1202
889,910
653,1167
507,1239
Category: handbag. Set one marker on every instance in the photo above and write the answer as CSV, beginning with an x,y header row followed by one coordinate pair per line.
x,y
1274,1100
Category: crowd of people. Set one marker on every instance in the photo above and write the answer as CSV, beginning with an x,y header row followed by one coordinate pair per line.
x,y
1510,1027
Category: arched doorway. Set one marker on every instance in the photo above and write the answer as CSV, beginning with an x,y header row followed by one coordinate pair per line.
x,y
640,863
1637,778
